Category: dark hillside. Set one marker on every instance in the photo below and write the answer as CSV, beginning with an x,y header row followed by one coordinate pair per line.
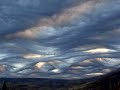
x,y
108,82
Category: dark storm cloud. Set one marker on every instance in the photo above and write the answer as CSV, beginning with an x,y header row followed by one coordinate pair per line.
x,y
59,38
18,15
95,27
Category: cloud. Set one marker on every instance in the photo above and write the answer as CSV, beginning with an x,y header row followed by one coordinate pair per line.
x,y
85,16
57,20
79,39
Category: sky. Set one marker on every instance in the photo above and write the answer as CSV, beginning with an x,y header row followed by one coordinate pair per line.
x,y
65,39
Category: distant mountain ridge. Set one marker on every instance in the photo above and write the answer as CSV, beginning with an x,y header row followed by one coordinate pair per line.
x,y
107,82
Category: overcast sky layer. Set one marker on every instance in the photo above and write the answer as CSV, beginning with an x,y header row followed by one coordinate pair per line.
x,y
67,39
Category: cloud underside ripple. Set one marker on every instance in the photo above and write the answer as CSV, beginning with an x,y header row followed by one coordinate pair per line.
x,y
67,39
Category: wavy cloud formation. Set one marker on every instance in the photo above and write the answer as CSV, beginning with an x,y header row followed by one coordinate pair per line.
x,y
56,20
66,39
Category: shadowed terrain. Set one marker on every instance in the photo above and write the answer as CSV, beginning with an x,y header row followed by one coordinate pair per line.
x,y
107,82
